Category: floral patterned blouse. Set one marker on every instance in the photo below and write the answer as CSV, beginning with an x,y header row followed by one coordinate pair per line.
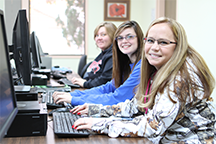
x,y
164,123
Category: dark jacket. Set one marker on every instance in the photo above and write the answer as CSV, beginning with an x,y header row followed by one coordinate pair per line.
x,y
100,70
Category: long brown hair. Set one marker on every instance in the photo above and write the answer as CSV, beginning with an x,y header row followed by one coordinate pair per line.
x,y
177,65
121,67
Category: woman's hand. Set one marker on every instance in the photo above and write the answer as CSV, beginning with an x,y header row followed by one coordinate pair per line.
x,y
78,81
60,97
80,110
86,123
83,123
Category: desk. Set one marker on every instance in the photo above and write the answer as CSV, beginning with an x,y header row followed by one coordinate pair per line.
x,y
51,138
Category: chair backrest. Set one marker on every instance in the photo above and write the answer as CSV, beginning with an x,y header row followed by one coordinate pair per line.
x,y
82,63
84,69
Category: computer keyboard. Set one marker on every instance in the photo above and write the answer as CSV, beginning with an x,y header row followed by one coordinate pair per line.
x,y
68,82
62,123
48,99
44,89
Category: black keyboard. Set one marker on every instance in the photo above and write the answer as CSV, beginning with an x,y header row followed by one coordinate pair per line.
x,y
62,123
48,99
68,82
39,89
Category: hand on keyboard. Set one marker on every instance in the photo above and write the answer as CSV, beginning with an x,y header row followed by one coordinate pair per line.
x,y
83,123
62,123
61,97
78,81
86,123
48,99
80,110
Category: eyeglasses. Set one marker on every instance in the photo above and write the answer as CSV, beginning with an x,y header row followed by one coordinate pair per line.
x,y
128,38
161,42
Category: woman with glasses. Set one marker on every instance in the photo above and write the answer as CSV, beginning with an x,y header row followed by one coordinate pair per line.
x,y
100,70
175,85
127,48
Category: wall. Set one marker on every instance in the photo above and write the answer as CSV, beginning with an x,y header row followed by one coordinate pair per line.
x,y
198,19
2,7
142,11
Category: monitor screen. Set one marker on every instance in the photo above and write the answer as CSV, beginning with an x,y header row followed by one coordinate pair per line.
x,y
35,51
21,48
8,107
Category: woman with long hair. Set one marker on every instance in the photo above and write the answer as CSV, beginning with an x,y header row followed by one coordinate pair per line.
x,y
127,48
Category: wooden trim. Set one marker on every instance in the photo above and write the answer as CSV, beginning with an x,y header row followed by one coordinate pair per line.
x,y
170,9
160,8
86,27
166,8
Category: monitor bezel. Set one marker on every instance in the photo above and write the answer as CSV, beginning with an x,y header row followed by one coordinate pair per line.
x,y
6,126
21,54
35,51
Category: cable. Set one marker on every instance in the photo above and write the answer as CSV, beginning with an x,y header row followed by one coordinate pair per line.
x,y
17,80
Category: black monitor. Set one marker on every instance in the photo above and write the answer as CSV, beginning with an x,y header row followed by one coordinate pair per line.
x,y
35,51
8,107
21,48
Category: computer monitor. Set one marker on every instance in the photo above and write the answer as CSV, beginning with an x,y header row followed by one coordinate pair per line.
x,y
35,51
21,48
8,107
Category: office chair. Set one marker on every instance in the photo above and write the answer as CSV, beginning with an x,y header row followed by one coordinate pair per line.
x,y
82,63
84,69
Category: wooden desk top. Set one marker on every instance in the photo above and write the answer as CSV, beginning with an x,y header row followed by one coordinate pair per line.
x,y
51,138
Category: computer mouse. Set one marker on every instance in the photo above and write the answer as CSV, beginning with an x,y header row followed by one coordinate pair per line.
x,y
63,72
57,75
69,71
56,66
60,81
63,109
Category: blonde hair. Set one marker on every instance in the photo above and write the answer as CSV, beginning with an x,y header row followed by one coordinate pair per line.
x,y
110,29
177,63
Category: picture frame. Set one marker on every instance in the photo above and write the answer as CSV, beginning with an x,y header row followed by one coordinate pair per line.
x,y
116,10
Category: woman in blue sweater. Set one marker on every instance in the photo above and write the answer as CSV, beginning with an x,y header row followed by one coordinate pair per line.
x,y
127,48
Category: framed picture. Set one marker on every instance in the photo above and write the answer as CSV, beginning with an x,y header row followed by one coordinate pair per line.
x,y
116,10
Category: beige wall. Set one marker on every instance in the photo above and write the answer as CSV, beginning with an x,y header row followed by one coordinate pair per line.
x,y
198,19
142,11
2,7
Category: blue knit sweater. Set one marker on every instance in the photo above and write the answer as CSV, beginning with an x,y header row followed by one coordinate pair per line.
x,y
108,94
